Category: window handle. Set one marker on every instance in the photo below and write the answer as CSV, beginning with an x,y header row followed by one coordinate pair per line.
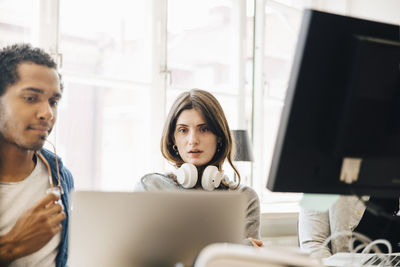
x,y
58,58
168,76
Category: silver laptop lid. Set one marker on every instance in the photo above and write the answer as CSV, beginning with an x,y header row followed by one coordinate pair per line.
x,y
151,228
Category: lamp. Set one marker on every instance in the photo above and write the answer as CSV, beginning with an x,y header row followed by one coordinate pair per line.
x,y
244,151
243,147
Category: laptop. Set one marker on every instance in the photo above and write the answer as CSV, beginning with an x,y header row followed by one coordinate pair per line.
x,y
151,228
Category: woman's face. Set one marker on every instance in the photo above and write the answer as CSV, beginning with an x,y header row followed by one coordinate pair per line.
x,y
196,143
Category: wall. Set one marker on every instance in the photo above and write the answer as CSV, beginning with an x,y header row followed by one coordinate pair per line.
x,y
379,10
279,229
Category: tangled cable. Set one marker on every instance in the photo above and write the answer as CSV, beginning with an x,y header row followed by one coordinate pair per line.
x,y
365,247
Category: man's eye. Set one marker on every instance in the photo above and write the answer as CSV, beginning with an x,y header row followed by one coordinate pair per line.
x,y
53,103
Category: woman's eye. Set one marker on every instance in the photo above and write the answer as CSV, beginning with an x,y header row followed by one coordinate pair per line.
x,y
182,130
204,129
30,98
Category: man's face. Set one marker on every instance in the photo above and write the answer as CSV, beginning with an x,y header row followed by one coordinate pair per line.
x,y
28,108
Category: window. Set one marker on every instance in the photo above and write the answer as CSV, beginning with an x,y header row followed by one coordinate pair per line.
x,y
105,134
18,24
114,69
122,70
205,49
278,23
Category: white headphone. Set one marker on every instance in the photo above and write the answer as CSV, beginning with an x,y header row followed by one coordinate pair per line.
x,y
187,177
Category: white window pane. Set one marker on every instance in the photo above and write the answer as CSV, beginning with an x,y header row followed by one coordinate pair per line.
x,y
103,135
105,131
110,38
200,47
18,24
281,28
209,47
230,106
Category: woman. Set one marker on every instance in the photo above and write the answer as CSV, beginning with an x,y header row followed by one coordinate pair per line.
x,y
196,136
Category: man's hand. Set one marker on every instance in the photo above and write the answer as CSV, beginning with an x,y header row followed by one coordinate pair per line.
x,y
33,229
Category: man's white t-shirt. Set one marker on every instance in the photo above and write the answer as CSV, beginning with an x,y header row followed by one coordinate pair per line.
x,y
16,198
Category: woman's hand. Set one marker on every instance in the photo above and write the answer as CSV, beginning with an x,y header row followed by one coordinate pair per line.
x,y
256,243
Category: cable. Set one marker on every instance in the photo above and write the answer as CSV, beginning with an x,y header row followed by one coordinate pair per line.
x,y
367,246
357,237
385,258
61,190
57,165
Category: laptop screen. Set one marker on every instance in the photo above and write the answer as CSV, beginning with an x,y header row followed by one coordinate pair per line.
x,y
151,228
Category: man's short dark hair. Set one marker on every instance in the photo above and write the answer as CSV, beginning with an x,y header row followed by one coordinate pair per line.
x,y
13,55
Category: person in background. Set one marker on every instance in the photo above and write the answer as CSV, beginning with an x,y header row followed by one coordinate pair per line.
x,y
34,184
349,214
197,140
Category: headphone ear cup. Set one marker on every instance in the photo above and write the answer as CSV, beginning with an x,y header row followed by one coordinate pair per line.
x,y
187,175
211,178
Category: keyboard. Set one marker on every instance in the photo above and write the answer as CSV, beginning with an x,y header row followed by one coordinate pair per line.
x,y
393,260
357,259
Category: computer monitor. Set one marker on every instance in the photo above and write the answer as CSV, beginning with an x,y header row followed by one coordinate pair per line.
x,y
340,124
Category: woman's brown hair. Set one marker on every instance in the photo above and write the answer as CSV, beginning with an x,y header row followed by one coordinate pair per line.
x,y
213,113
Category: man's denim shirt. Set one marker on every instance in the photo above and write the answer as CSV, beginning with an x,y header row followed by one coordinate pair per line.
x,y
67,184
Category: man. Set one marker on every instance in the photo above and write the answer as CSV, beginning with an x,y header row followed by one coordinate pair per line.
x,y
33,224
